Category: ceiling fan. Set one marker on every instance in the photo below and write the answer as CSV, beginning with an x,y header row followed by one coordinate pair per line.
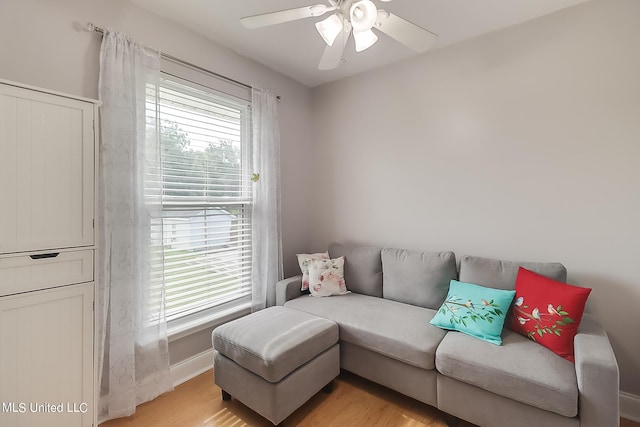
x,y
357,17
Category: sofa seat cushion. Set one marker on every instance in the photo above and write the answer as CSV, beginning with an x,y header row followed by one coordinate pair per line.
x,y
396,330
519,369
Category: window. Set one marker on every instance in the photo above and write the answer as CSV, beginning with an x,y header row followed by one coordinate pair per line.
x,y
206,196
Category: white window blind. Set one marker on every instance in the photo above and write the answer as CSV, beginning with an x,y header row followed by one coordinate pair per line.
x,y
206,196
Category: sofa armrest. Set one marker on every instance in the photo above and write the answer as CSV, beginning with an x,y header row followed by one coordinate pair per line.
x,y
598,375
288,289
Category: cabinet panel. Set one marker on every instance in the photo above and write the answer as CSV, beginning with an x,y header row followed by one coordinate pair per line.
x,y
47,377
46,171
23,273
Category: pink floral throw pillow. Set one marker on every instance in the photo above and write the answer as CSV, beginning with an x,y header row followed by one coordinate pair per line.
x,y
326,277
303,261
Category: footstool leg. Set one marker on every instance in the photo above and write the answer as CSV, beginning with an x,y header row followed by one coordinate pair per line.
x,y
328,388
225,395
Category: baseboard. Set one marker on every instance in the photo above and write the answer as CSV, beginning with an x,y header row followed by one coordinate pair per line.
x,y
186,369
630,406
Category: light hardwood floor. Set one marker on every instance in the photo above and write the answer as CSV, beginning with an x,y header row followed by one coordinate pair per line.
x,y
354,402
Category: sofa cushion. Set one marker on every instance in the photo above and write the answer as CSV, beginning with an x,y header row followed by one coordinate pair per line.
x,y
362,268
519,369
273,342
396,330
495,273
418,278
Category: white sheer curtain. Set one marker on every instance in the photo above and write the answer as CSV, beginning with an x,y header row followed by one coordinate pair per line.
x,y
133,346
267,237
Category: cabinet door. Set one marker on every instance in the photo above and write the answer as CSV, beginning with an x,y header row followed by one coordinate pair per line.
x,y
46,358
46,171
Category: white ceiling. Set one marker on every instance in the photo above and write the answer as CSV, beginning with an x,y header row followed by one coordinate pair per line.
x,y
295,48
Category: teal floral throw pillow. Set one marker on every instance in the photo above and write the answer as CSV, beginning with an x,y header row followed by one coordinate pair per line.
x,y
474,310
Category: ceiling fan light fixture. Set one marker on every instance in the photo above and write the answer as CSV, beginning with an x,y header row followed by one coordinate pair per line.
x,y
363,15
330,28
364,39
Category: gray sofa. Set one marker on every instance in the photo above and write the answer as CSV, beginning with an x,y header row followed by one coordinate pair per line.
x,y
385,336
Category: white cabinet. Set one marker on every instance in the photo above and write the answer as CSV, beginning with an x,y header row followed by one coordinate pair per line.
x,y
48,158
46,170
23,273
46,343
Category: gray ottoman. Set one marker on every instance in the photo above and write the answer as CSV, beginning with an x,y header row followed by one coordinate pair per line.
x,y
275,360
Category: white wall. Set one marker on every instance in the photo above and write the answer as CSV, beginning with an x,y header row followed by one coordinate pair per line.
x,y
523,144
43,43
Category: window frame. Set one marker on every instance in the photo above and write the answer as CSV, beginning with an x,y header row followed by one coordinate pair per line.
x,y
199,319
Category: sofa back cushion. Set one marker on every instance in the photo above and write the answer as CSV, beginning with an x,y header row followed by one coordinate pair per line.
x,y
495,273
418,278
362,267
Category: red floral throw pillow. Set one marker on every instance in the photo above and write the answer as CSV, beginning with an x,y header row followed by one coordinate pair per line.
x,y
547,311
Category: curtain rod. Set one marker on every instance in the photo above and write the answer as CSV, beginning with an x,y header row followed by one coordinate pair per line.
x,y
93,28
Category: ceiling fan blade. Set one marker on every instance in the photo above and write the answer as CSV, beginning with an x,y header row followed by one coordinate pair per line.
x,y
413,36
332,56
273,18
